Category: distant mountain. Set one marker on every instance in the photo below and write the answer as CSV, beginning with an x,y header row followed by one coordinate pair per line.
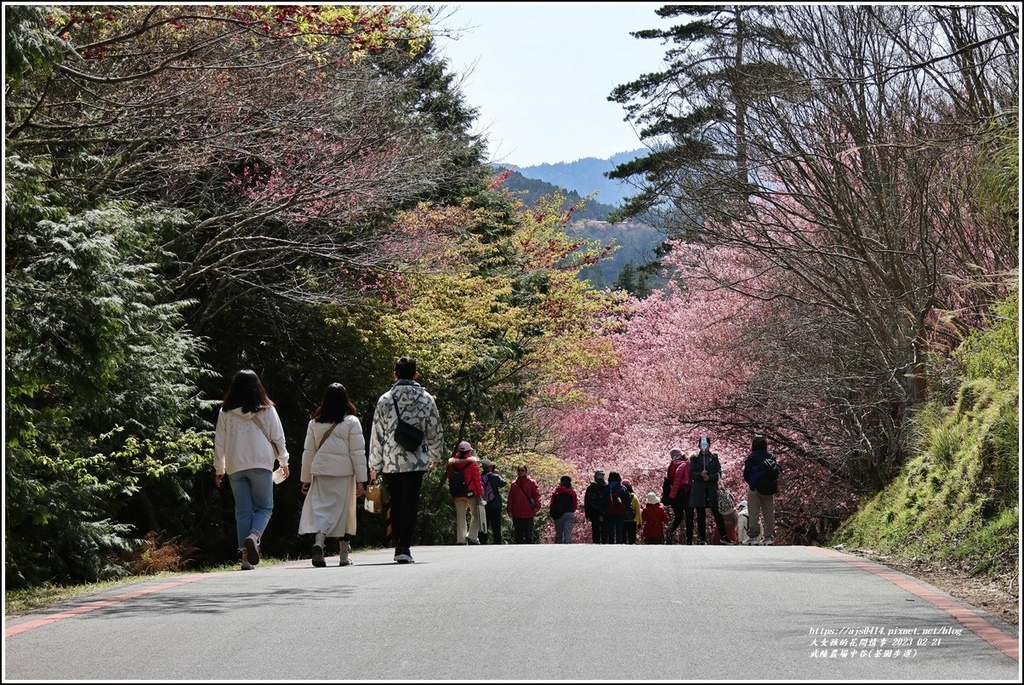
x,y
636,241
586,176
529,190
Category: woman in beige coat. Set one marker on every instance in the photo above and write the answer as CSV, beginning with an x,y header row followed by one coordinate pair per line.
x,y
333,473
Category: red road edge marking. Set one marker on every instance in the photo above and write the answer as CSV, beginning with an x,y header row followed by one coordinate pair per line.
x,y
969,619
92,606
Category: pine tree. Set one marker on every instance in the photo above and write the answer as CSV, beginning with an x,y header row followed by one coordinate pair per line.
x,y
695,110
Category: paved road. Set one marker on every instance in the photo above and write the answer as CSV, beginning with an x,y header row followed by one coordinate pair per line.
x,y
539,612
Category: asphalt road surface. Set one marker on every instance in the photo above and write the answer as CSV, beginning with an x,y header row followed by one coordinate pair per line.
x,y
520,613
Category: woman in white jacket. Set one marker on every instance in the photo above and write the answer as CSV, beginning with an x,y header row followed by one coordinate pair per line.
x,y
247,441
333,473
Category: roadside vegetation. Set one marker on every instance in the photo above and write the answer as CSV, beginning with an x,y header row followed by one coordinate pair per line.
x,y
958,501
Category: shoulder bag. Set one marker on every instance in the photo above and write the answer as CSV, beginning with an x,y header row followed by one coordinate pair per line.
x,y
407,435
259,424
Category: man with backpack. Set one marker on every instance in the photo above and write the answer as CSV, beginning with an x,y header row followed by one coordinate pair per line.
x,y
493,482
761,472
675,491
618,505
466,489
563,506
593,507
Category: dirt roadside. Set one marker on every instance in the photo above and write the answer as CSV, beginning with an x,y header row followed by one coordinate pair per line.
x,y
999,596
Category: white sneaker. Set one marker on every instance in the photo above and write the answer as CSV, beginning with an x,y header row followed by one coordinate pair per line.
x,y
750,541
246,566
767,541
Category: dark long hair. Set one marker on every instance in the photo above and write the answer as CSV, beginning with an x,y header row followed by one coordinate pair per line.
x,y
335,406
246,391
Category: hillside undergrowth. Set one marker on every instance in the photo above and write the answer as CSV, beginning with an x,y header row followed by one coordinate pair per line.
x,y
957,502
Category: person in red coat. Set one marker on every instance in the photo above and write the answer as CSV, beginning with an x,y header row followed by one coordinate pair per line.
x,y
523,505
654,519
464,460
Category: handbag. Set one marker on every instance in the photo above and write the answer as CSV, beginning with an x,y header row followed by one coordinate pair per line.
x,y
407,435
481,516
374,503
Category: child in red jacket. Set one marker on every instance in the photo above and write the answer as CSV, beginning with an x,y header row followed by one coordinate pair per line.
x,y
655,518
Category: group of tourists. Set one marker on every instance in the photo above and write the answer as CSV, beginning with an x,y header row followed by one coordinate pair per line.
x,y
406,438
692,488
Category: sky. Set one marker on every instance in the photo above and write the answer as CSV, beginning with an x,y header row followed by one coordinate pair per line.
x,y
540,75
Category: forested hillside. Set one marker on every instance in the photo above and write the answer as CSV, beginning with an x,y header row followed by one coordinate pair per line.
x,y
531,190
296,190
634,245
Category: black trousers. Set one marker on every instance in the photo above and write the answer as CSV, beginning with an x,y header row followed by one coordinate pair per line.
x,y
493,526
404,504
702,523
680,514
524,531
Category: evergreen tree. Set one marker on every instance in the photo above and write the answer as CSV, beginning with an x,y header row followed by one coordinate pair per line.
x,y
695,111
99,384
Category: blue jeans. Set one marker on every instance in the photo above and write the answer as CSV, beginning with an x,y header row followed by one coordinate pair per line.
x,y
253,490
615,530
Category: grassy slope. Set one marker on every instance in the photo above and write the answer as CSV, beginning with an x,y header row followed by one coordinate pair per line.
x,y
958,501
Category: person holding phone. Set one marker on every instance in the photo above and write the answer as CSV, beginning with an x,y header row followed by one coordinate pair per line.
x,y
705,472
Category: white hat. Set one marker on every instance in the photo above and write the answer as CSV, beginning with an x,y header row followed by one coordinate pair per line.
x,y
652,498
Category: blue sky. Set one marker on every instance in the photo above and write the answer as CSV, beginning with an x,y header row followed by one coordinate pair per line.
x,y
543,73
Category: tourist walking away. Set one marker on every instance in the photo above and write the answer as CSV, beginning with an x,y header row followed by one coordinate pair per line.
x,y
523,505
493,504
761,472
593,507
247,441
727,508
655,518
617,501
466,489
635,510
741,521
562,509
705,471
333,473
403,457
676,494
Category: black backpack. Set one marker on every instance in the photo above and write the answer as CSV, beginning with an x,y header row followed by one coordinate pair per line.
x,y
768,483
457,483
561,504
